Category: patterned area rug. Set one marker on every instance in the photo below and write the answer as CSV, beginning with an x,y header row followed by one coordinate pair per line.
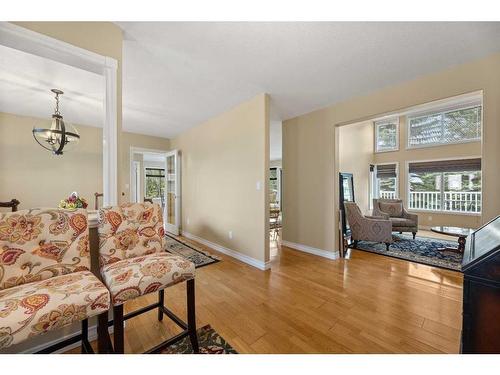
x,y
196,255
210,343
421,250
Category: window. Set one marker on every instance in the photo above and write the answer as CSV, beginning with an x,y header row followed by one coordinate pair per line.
x,y
448,185
385,181
446,127
155,183
386,135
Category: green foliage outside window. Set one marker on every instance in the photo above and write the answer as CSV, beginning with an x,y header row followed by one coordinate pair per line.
x,y
155,183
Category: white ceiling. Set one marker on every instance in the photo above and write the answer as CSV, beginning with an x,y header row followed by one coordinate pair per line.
x,y
26,81
179,74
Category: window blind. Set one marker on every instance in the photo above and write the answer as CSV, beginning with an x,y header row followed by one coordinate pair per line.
x,y
386,170
446,166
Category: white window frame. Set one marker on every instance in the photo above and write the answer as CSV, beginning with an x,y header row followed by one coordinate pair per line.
x,y
374,188
444,212
376,124
442,112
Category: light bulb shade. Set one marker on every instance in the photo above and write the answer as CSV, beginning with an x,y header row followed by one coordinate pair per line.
x,y
57,136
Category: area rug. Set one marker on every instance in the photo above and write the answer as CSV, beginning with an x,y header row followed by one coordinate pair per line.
x,y
210,343
421,250
195,254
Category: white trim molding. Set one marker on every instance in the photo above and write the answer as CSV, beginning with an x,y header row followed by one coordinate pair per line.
x,y
232,253
42,45
110,138
311,250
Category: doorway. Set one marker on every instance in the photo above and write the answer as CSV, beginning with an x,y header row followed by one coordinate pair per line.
x,y
275,187
155,178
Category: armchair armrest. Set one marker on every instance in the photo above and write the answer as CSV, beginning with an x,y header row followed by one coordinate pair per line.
x,y
409,216
377,213
375,229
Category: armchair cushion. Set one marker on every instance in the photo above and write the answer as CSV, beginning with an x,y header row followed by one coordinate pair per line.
x,y
35,308
393,209
401,222
134,277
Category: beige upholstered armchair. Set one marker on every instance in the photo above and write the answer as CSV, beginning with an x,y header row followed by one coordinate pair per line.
x,y
367,228
393,209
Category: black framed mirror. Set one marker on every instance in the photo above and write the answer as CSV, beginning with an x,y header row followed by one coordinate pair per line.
x,y
346,194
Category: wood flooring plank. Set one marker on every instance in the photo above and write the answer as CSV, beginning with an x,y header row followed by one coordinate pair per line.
x,y
308,304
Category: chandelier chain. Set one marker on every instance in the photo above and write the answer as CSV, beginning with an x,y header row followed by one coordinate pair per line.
x,y
56,109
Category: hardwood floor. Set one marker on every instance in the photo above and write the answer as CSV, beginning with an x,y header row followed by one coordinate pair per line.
x,y
308,304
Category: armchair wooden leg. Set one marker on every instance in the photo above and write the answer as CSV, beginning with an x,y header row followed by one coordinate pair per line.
x,y
85,335
355,244
191,311
118,339
161,302
414,234
103,339
387,244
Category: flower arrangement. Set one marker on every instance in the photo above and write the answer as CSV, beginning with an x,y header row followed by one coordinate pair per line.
x,y
73,202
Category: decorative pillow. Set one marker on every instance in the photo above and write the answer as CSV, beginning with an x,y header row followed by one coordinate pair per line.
x,y
393,209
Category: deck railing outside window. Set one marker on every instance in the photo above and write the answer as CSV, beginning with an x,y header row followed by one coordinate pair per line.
x,y
453,201
387,194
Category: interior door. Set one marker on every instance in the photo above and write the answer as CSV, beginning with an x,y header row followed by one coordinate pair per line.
x,y
172,192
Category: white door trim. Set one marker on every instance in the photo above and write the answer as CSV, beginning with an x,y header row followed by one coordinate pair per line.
x,y
22,39
139,150
177,165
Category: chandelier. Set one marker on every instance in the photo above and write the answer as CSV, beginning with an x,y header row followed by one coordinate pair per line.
x,y
59,135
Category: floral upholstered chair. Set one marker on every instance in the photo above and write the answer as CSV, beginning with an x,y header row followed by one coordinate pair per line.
x,y
367,228
45,282
134,263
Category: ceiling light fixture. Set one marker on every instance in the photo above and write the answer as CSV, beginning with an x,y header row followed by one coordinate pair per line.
x,y
59,135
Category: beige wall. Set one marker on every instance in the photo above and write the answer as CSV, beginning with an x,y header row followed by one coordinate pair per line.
x,y
355,156
404,155
222,161
103,38
35,176
38,178
310,148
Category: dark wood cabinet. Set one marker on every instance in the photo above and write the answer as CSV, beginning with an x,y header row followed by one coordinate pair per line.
x,y
481,302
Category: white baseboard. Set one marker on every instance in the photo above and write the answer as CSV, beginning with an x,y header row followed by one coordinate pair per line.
x,y
311,250
232,253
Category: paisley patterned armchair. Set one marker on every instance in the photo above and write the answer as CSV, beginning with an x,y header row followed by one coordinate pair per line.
x,y
134,262
393,209
45,282
367,228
